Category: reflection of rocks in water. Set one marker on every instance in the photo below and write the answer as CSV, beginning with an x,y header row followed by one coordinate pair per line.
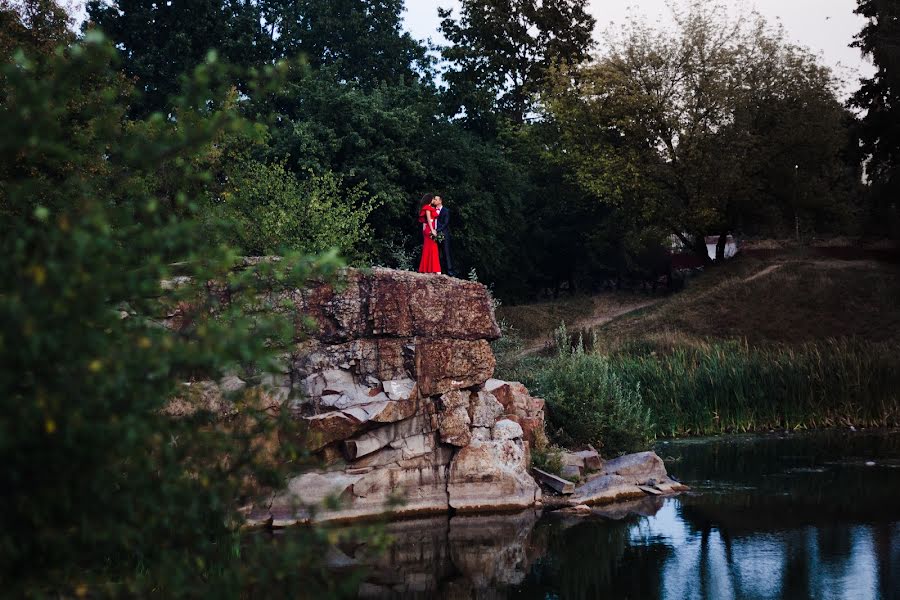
x,y
643,507
451,557
491,551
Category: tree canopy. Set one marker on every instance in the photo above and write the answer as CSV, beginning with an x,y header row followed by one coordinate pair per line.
x,y
879,99
718,126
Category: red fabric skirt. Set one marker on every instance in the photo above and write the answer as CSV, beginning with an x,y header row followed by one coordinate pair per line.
x,y
431,262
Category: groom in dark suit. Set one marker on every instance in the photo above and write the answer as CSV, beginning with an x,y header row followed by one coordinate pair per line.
x,y
443,227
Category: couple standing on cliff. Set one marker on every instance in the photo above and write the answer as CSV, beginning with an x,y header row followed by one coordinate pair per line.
x,y
435,220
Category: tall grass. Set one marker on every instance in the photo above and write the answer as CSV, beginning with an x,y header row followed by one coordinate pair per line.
x,y
673,387
725,387
589,403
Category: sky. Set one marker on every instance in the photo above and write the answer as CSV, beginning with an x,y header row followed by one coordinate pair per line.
x,y
826,27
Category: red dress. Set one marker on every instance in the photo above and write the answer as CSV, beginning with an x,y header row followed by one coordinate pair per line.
x,y
431,262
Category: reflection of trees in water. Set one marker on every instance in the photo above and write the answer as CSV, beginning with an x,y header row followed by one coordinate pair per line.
x,y
800,534
887,551
832,558
770,483
796,574
589,558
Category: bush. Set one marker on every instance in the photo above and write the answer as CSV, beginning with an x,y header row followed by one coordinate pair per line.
x,y
274,211
588,403
545,456
106,496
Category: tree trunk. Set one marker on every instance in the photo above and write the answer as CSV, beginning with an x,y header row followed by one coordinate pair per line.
x,y
720,247
700,249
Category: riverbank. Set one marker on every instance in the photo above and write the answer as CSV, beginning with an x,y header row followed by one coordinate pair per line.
x,y
815,510
780,340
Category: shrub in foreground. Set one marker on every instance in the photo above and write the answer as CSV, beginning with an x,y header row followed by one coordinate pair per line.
x,y
104,496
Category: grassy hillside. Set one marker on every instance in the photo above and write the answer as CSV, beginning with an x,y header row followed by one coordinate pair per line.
x,y
789,299
777,296
777,339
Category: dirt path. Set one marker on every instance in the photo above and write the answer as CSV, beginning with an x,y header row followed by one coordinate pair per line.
x,y
763,273
594,320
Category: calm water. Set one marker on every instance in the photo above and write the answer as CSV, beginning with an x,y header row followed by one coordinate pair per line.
x,y
806,516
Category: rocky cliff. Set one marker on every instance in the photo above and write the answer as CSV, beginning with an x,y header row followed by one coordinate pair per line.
x,y
390,378
393,382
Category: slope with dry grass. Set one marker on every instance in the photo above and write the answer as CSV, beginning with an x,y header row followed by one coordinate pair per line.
x,y
790,298
783,339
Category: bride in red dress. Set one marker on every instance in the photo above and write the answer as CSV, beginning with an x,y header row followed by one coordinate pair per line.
x,y
430,262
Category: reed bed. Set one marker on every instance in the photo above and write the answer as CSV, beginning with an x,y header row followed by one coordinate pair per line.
x,y
668,387
722,387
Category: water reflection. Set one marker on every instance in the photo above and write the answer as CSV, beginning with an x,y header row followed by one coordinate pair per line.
x,y
771,517
443,557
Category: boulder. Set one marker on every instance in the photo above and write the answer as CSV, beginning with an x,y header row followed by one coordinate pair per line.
x,y
624,478
377,439
637,468
444,365
491,476
513,396
519,406
591,460
364,492
327,428
507,430
390,374
530,426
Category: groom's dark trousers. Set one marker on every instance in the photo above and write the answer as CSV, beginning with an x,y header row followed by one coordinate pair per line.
x,y
443,226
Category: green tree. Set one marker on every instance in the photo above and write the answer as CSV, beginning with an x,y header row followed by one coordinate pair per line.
x,y
36,26
879,97
159,42
692,130
502,50
110,497
362,40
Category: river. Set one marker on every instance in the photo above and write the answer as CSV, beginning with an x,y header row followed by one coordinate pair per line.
x,y
812,515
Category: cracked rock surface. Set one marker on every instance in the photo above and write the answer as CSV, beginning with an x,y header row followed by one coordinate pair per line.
x,y
394,388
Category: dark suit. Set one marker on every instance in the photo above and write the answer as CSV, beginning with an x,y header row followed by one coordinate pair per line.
x,y
443,226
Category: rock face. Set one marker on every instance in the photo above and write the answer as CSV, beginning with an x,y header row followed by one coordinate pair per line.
x,y
393,383
390,376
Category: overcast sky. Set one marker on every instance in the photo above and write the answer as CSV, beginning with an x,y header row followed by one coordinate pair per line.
x,y
827,27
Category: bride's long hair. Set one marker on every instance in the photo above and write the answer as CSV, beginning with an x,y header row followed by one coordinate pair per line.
x,y
425,201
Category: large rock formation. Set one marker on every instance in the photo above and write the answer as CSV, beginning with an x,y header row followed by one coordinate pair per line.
x,y
391,375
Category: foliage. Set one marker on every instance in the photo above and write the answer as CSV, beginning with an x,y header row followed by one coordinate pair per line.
x,y
110,496
501,51
35,26
160,42
726,387
879,97
274,212
361,41
588,403
370,137
546,456
693,130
